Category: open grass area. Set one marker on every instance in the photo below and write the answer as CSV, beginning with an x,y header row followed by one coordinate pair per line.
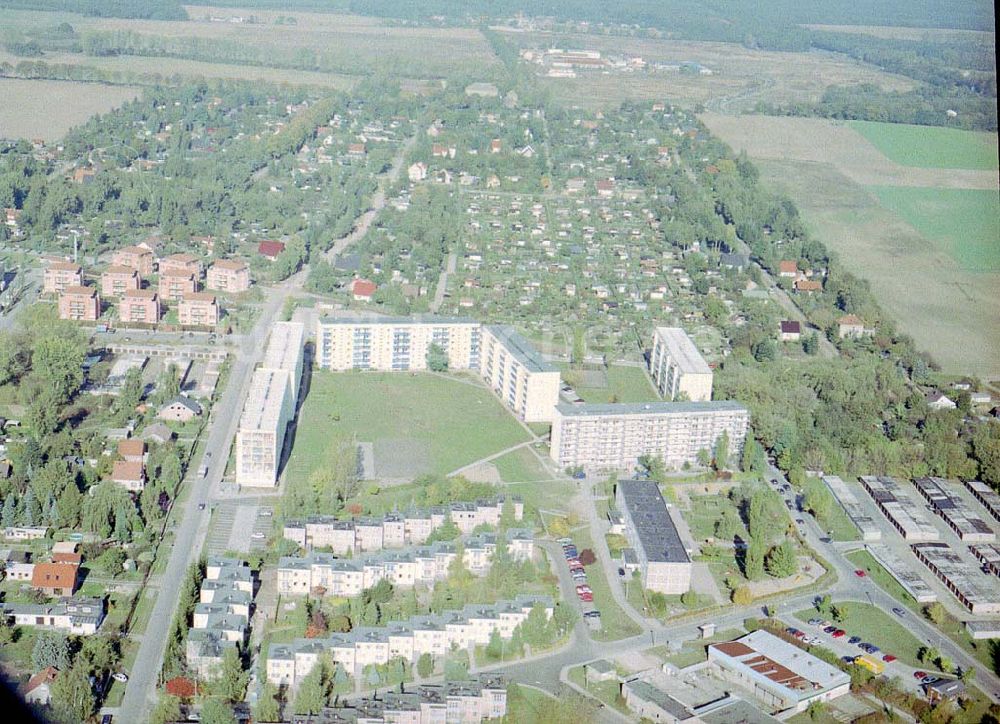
x,y
527,705
521,466
865,561
418,423
965,222
608,692
705,511
931,146
839,526
48,108
617,383
875,626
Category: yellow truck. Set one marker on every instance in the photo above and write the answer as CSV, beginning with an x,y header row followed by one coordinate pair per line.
x,y
873,665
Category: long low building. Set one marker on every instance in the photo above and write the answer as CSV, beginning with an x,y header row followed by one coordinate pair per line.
x,y
855,511
288,664
977,591
905,576
986,495
780,675
663,560
79,616
903,512
989,555
954,511
476,700
325,574
396,530
614,436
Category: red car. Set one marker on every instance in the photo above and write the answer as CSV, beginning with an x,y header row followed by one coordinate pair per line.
x,y
583,589
838,633
888,658
859,573
919,675
571,562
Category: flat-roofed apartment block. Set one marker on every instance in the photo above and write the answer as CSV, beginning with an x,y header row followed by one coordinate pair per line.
x,y
903,512
228,275
513,369
198,309
116,280
60,275
360,342
269,408
140,306
135,257
175,283
678,369
80,304
663,560
780,675
615,436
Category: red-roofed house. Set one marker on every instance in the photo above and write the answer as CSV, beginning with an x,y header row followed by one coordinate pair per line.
x,y
605,187
362,290
37,689
67,557
270,249
791,330
850,326
55,579
131,475
808,285
788,268
132,450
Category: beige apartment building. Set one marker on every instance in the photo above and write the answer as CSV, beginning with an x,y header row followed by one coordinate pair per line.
x,y
198,309
116,280
79,304
228,275
181,263
361,342
136,257
269,408
678,369
615,436
513,369
175,284
139,306
663,560
60,275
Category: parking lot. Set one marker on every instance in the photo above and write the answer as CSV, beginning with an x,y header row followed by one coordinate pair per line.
x,y
238,526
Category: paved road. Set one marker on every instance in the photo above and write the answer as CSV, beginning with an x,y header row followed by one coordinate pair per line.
x,y
442,285
193,523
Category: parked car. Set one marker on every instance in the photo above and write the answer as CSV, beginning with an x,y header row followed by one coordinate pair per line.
x,y
119,676
859,573
791,630
813,621
824,624
564,541
919,675
930,679
829,629
592,614
573,562
854,640
888,658
839,633
899,612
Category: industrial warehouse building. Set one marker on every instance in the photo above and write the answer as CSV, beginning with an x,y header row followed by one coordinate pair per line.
x,y
663,560
678,369
269,408
615,436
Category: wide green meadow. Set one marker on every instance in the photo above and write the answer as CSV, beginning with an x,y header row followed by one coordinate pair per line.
x,y
931,146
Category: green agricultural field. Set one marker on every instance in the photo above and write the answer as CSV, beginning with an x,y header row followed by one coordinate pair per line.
x,y
418,423
877,627
965,222
931,146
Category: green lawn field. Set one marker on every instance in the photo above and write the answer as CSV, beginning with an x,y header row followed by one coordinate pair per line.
x,y
965,222
623,384
931,146
418,423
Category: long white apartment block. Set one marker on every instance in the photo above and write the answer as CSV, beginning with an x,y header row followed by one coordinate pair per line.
x,y
900,509
615,436
270,407
368,342
677,368
865,524
513,369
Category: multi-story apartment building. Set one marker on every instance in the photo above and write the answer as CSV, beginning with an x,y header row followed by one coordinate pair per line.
x,y
663,560
365,342
116,280
678,370
61,275
615,436
396,529
182,263
333,576
139,306
135,257
221,617
269,408
175,284
80,304
228,275
513,369
288,664
198,309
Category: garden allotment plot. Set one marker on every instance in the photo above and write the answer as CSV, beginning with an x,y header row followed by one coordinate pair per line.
x,y
418,423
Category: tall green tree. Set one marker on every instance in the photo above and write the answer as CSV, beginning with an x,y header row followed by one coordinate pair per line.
x,y
73,697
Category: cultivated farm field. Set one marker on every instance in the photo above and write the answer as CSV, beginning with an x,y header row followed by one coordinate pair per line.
x,y
925,238
931,146
46,109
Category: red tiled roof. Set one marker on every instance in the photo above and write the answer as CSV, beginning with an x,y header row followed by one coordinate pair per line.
x,y
788,267
363,288
270,248
45,676
75,558
125,470
131,448
54,575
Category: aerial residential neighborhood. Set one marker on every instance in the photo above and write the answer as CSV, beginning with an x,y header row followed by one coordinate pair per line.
x,y
408,362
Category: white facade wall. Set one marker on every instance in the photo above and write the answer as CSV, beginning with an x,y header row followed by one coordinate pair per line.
x,y
678,369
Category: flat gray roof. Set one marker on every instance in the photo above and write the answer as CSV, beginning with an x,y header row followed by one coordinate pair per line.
x,y
367,318
683,351
521,348
653,524
647,408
